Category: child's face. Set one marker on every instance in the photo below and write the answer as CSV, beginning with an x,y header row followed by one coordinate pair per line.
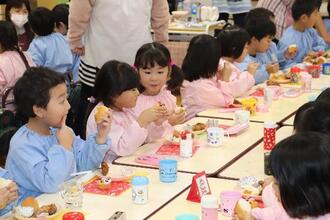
x,y
243,55
153,79
19,16
57,107
310,21
264,44
126,99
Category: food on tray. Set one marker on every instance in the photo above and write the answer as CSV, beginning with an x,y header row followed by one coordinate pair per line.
x,y
45,210
101,113
104,182
104,168
278,78
243,209
317,58
30,202
199,127
30,209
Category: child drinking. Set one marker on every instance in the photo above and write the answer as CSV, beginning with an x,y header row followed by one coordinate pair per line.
x,y
116,87
49,49
301,189
158,76
13,62
45,152
234,48
17,12
301,33
203,86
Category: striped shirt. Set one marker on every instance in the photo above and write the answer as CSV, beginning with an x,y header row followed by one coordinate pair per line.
x,y
87,73
233,6
282,11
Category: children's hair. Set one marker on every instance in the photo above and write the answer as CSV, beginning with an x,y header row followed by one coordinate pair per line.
x,y
61,14
301,7
9,40
32,89
301,166
260,28
324,96
19,4
42,21
202,58
232,40
113,79
299,114
152,54
259,14
315,117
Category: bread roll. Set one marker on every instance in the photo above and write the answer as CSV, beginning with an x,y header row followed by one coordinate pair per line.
x,y
101,113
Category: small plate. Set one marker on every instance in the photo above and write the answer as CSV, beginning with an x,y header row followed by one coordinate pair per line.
x,y
50,217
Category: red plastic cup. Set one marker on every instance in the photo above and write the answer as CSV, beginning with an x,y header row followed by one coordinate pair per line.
x,y
269,135
73,216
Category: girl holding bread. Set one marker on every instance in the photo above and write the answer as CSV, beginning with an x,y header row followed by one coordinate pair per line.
x,y
116,87
158,77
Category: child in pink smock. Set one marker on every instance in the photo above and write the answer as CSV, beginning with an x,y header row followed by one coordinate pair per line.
x,y
234,42
158,77
301,188
13,62
116,88
205,87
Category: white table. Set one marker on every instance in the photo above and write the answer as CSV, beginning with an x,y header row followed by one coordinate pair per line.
x,y
280,110
180,205
317,83
289,121
252,163
99,207
206,159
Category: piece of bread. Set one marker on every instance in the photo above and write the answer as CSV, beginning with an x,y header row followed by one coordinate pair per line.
x,y
50,209
199,127
320,60
30,202
4,182
101,113
243,209
292,48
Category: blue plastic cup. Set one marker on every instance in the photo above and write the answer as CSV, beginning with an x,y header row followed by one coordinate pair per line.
x,y
326,68
168,170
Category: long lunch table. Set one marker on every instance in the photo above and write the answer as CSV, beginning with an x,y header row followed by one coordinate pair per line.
x,y
206,159
317,83
289,121
180,205
252,163
103,207
280,110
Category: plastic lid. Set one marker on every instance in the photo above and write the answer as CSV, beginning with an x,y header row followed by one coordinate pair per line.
x,y
186,217
209,201
270,124
140,180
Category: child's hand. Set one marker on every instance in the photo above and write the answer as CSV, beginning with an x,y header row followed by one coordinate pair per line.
x,y
289,55
65,135
225,72
177,118
153,114
104,128
79,51
13,192
272,68
252,68
4,198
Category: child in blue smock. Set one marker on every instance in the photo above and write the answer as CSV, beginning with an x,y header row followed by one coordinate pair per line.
x,y
8,193
49,49
45,152
301,33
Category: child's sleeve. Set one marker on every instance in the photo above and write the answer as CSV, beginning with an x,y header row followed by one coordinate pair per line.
x,y
126,141
158,131
159,20
219,95
241,84
318,42
4,173
37,50
79,17
261,74
89,154
41,172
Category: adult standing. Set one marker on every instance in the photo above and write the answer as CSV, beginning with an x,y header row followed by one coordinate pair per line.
x,y
102,30
238,8
282,11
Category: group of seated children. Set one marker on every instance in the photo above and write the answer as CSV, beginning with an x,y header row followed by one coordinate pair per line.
x,y
140,108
